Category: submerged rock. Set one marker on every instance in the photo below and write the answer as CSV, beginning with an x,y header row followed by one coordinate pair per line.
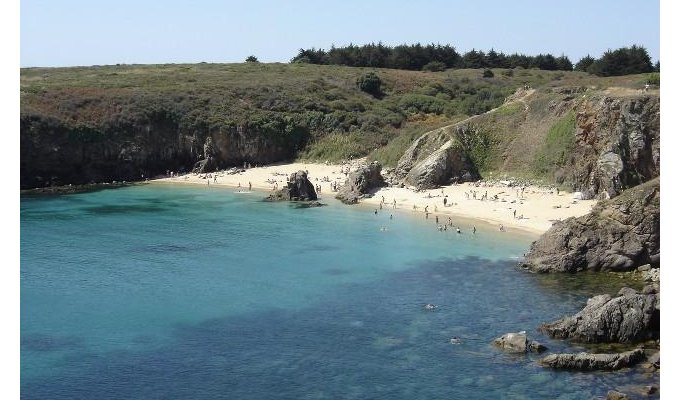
x,y
617,235
630,317
593,362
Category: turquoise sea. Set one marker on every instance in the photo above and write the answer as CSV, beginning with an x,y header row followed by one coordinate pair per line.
x,y
187,292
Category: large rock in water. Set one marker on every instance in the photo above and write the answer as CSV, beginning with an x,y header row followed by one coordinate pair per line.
x,y
593,362
617,235
518,343
298,188
360,183
630,317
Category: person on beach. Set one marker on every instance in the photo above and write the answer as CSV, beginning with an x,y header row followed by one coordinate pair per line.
x,y
444,201
474,230
394,203
514,214
502,228
250,186
376,211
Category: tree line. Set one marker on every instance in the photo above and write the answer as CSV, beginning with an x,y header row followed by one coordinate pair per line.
x,y
438,57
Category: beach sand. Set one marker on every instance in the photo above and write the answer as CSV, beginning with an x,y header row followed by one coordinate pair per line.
x,y
534,210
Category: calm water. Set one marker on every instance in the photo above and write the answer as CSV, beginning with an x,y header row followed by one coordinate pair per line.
x,y
158,292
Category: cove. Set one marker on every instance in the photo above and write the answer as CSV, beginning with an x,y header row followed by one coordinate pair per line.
x,y
188,292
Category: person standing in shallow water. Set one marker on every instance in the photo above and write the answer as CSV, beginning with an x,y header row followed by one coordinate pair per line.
x,y
250,186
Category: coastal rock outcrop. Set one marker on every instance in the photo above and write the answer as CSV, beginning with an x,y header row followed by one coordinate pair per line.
x,y
617,144
629,317
209,162
518,343
437,158
617,235
593,362
134,147
298,188
360,183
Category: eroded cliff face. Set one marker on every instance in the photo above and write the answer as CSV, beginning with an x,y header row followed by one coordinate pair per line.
x,y
54,152
617,144
614,144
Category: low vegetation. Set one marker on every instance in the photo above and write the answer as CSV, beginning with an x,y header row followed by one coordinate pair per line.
x,y
322,112
557,147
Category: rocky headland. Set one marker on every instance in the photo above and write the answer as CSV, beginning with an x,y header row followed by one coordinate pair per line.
x,y
620,234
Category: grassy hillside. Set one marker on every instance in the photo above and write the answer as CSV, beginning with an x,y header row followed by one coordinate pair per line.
x,y
322,104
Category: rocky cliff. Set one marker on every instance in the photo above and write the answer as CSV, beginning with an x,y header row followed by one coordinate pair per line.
x,y
620,234
596,142
57,152
617,144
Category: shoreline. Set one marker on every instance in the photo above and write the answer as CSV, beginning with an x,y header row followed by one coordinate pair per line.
x,y
531,210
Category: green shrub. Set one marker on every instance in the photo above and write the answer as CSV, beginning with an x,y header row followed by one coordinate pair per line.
x,y
654,79
420,103
487,73
334,148
434,66
370,83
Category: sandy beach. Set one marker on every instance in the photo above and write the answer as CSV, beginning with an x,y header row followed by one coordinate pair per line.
x,y
532,210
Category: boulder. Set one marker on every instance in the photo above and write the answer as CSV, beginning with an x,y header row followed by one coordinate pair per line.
x,y
614,395
448,163
518,343
298,188
593,362
360,183
617,235
439,157
630,317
